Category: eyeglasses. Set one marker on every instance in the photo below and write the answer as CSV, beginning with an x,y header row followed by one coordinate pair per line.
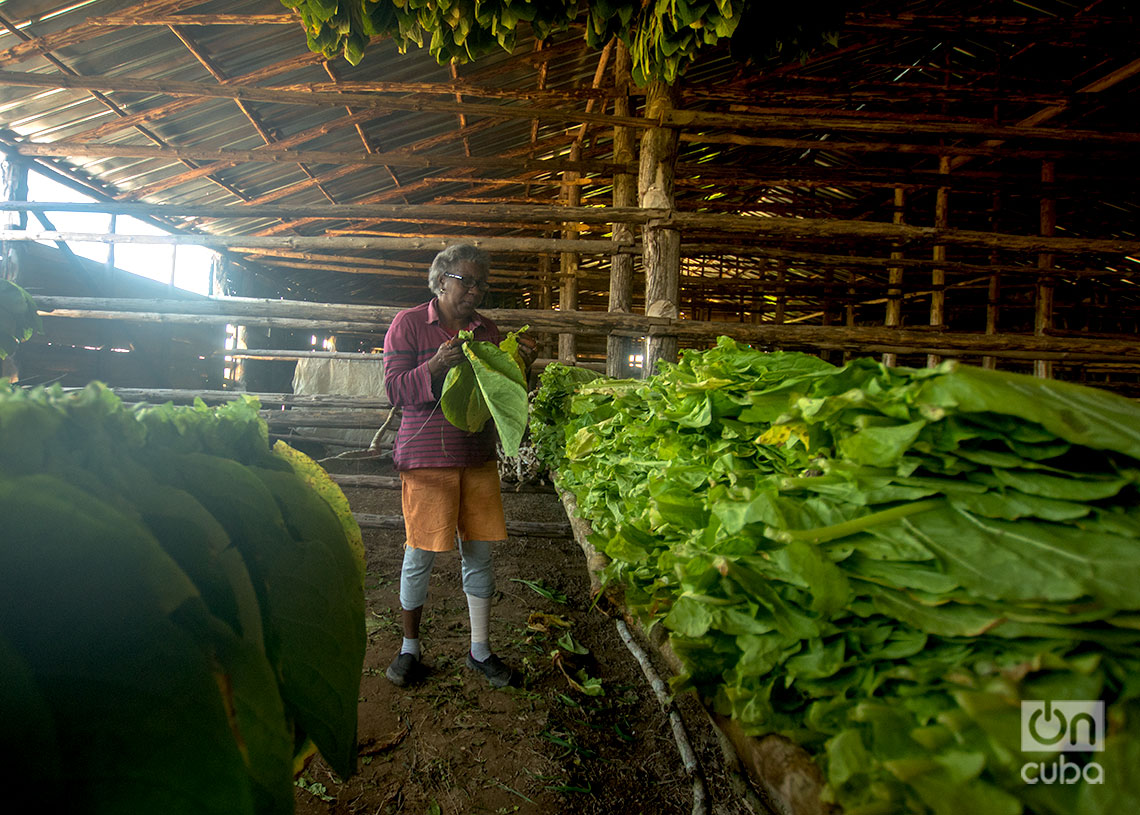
x,y
469,282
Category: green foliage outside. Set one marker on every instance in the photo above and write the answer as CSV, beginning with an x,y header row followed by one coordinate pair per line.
x,y
180,611
663,36
18,317
878,563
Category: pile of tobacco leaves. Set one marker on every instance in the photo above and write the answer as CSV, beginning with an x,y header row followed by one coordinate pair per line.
x,y
880,563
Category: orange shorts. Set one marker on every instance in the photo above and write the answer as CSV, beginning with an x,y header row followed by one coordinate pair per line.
x,y
438,501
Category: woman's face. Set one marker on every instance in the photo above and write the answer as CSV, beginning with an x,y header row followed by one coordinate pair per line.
x,y
460,298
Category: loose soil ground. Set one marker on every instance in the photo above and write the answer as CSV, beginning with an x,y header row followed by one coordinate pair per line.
x,y
453,745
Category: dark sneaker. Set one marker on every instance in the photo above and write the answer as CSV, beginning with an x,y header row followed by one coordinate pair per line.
x,y
404,670
498,674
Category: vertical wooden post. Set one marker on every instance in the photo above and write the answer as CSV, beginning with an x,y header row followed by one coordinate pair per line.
x,y
13,187
545,301
781,295
938,276
1043,319
625,195
993,291
895,278
661,247
568,294
849,311
828,292
109,264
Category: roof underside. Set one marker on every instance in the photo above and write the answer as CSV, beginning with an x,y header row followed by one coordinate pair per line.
x,y
917,97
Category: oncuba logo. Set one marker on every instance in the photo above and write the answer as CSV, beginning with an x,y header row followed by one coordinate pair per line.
x,y
1074,726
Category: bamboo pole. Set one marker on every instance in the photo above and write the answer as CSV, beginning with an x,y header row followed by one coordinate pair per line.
x,y
624,196
893,317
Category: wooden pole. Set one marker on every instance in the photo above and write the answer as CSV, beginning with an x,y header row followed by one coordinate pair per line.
x,y
993,290
938,276
568,295
545,299
371,319
1043,316
781,294
625,195
893,317
661,244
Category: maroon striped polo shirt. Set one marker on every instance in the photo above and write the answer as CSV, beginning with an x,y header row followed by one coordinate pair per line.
x,y
425,437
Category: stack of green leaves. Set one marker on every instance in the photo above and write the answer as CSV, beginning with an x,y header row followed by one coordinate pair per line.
x,y
880,564
181,606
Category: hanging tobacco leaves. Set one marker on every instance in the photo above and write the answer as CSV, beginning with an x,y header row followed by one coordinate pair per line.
x,y
879,563
663,36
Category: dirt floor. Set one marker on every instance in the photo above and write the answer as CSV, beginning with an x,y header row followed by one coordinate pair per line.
x,y
453,745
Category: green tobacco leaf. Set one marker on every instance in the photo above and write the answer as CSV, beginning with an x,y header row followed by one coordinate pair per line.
x,y
1077,414
136,707
462,400
321,644
490,385
321,482
500,381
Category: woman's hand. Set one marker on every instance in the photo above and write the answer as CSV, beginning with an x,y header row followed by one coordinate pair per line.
x,y
446,357
528,349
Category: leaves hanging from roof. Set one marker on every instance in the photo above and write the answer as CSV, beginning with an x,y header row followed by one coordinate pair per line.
x,y
663,36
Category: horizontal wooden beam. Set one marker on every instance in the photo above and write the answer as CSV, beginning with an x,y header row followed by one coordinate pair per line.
x,y
130,20
392,482
374,319
216,397
409,244
814,120
425,213
279,96
273,154
516,529
754,227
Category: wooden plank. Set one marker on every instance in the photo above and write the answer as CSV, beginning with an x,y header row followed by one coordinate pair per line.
x,y
515,529
392,482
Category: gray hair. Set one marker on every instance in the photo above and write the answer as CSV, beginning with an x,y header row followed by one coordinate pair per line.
x,y
447,260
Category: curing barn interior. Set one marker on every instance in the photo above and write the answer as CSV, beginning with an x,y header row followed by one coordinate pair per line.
x,y
907,182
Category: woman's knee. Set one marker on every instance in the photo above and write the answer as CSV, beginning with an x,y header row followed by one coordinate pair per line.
x,y
414,577
478,573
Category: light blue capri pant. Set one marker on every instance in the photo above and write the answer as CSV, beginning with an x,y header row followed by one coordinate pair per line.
x,y
478,576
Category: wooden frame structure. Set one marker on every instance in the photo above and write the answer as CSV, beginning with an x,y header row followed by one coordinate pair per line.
x,y
952,180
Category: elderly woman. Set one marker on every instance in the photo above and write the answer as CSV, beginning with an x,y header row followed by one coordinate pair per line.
x,y
449,477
